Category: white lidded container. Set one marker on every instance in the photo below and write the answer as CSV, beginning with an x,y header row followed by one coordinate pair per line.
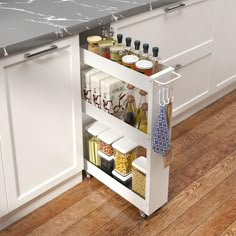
x,y
107,162
139,170
86,83
113,95
107,138
96,87
125,180
93,142
125,152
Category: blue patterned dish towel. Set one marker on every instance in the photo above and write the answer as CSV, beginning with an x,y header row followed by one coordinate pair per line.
x,y
161,141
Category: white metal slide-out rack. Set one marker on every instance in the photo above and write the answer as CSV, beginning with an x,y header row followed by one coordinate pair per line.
x,y
157,177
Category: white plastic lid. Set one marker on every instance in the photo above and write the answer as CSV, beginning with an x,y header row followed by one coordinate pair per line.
x,y
140,164
109,136
96,128
103,155
130,59
124,145
121,177
144,64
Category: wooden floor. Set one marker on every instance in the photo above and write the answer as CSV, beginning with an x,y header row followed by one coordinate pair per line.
x,y
202,189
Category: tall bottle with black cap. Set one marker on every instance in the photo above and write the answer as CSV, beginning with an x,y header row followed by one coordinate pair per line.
x,y
144,55
117,51
155,60
128,48
136,50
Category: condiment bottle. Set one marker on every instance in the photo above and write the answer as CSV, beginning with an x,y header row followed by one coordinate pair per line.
x,y
119,40
144,67
130,110
128,46
136,50
93,43
118,50
155,60
129,61
143,122
104,33
144,55
142,100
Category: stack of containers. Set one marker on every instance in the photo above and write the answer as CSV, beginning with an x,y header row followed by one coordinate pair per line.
x,y
106,152
86,83
139,176
93,142
125,153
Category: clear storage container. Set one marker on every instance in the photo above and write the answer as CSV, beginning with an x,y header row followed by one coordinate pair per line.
x,y
93,142
107,163
125,180
139,176
125,151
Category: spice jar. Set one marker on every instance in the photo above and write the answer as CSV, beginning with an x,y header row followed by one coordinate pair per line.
x,y
129,61
93,43
125,180
104,48
139,176
144,67
107,138
93,142
125,153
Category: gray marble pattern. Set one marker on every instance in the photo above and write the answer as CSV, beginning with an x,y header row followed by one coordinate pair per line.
x,y
25,24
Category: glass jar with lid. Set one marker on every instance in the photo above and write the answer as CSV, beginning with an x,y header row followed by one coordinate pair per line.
x,y
104,48
93,43
129,61
144,67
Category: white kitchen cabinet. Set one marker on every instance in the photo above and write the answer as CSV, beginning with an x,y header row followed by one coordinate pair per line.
x,y
224,63
41,119
3,196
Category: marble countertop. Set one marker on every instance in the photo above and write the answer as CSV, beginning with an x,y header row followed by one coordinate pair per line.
x,y
25,24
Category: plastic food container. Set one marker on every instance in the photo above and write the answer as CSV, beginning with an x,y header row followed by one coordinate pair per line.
x,y
129,61
93,43
125,151
144,66
107,138
127,180
93,142
107,163
139,176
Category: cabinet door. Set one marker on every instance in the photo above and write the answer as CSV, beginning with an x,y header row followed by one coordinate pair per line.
x,y
224,63
173,31
3,197
194,67
42,120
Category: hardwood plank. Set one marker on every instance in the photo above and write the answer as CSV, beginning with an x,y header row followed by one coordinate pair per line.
x,y
186,199
188,124
230,231
73,214
201,164
101,216
52,208
203,145
219,221
122,223
200,211
203,128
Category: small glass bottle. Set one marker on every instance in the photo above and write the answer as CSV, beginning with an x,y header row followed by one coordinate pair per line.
x,y
144,55
130,109
143,122
128,46
155,60
136,50
118,50
104,33
142,100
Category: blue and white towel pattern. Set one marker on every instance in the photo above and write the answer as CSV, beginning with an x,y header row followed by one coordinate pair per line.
x,y
161,141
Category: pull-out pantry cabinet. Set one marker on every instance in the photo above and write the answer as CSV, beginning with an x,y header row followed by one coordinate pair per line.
x,y
157,177
41,121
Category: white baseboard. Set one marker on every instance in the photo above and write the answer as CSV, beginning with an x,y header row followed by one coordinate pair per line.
x,y
39,201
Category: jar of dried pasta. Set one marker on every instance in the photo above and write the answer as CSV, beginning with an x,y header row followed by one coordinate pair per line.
x,y
125,151
139,176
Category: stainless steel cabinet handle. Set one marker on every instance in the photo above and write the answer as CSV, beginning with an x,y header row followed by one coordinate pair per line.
x,y
169,9
178,66
51,48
